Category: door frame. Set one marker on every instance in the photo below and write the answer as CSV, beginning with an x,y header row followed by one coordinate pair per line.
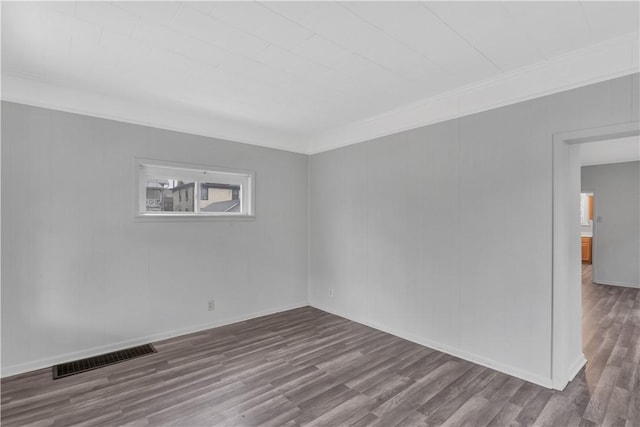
x,y
566,295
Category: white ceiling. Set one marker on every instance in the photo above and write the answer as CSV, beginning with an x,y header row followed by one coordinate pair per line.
x,y
610,151
305,76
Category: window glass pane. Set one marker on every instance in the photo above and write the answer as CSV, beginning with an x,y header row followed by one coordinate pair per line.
x,y
218,197
175,188
169,195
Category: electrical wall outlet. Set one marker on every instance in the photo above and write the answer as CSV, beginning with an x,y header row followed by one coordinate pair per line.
x,y
331,293
212,305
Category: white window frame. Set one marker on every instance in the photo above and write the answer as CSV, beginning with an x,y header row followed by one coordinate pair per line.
x,y
197,173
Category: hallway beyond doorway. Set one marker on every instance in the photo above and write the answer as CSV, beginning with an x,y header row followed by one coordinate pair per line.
x,y
611,344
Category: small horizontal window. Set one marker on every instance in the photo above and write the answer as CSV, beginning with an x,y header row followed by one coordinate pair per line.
x,y
173,189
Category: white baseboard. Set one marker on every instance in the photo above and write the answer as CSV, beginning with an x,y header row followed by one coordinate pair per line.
x,y
614,283
576,366
62,358
471,357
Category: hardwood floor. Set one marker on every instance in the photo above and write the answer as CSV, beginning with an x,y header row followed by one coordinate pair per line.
x,y
308,367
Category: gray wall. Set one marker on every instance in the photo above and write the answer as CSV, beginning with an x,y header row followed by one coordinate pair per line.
x,y
79,275
616,252
443,234
440,234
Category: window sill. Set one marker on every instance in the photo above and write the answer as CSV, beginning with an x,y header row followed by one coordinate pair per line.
x,y
192,218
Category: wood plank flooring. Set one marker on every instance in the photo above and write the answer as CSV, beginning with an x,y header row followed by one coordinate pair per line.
x,y
308,367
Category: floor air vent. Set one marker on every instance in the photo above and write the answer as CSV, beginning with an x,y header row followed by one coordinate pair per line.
x,y
77,366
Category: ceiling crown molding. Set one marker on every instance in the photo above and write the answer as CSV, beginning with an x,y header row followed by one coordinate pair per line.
x,y
604,61
613,58
39,94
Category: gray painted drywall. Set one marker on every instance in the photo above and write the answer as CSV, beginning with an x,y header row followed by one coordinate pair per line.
x,y
616,252
443,234
80,276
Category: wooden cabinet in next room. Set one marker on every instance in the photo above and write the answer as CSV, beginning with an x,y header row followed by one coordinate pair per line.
x,y
586,250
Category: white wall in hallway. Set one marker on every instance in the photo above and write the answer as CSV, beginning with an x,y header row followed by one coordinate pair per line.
x,y
616,252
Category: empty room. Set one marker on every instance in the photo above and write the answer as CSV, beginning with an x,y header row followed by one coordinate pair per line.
x,y
320,213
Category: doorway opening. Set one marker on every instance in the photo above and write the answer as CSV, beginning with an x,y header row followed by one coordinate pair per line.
x,y
567,358
586,226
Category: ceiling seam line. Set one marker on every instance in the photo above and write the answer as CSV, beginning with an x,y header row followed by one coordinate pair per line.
x,y
239,54
462,37
351,51
432,61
